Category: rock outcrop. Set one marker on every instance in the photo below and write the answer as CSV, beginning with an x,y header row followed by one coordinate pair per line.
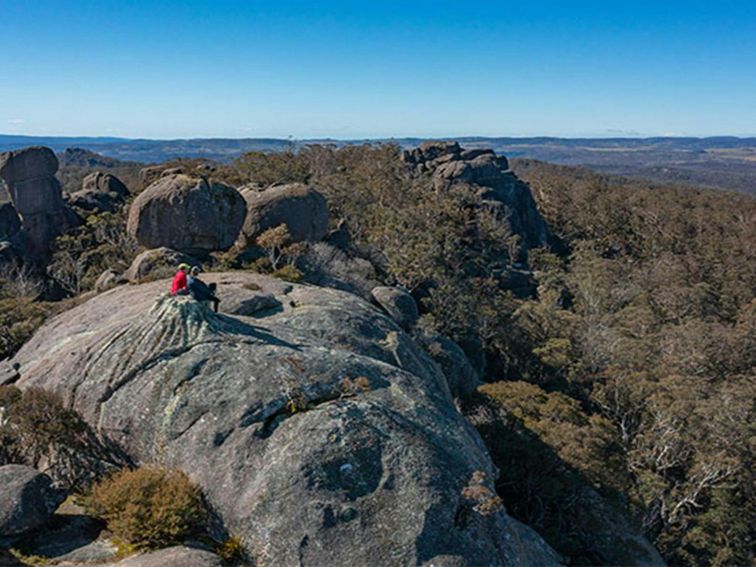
x,y
29,175
460,374
27,499
496,184
10,223
157,263
100,192
301,208
108,279
319,431
399,305
189,214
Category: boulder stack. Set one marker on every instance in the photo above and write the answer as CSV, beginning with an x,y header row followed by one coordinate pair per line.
x,y
100,192
29,175
189,214
489,175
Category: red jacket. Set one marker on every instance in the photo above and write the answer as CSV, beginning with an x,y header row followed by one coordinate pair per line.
x,y
179,282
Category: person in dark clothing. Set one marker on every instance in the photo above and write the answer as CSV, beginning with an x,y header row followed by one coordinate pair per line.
x,y
199,290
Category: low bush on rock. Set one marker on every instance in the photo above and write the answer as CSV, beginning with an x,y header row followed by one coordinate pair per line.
x,y
150,508
37,430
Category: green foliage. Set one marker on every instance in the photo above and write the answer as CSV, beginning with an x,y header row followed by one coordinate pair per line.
x,y
36,429
150,508
80,256
656,298
20,317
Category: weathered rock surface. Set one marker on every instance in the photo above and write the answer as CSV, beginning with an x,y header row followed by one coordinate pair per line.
x,y
399,304
328,266
100,192
301,208
177,556
157,263
460,374
108,279
496,184
27,499
29,175
185,213
10,223
319,431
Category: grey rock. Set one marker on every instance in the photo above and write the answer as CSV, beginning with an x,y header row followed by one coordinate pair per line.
x,y
27,499
460,374
185,213
319,431
301,208
10,223
36,194
177,556
157,263
399,304
100,192
326,265
108,279
498,187
148,175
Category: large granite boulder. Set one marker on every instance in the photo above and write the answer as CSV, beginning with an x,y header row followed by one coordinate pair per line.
x,y
319,431
29,175
157,263
27,499
100,192
449,164
301,208
189,214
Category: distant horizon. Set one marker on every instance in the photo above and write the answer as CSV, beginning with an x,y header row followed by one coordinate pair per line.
x,y
295,139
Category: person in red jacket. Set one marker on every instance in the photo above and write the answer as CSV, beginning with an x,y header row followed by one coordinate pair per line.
x,y
178,287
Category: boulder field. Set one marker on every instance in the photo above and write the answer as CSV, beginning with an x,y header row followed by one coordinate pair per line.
x,y
320,432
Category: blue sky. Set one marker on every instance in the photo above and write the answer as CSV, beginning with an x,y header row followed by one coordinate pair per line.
x,y
377,68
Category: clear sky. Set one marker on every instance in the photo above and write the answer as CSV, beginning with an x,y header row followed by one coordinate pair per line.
x,y
377,68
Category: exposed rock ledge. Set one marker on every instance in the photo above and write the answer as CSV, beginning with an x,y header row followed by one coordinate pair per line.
x,y
319,431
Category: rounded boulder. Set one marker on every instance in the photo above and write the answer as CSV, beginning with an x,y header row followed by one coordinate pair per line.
x,y
302,209
187,213
27,499
399,304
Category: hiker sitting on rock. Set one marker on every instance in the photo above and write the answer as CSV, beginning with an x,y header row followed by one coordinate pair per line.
x,y
200,291
179,285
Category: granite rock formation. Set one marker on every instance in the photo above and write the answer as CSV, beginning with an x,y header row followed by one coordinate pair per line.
x,y
319,431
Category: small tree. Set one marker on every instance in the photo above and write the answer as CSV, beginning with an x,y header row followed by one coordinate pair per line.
x,y
273,242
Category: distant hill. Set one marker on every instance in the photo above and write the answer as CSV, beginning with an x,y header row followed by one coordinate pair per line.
x,y
721,162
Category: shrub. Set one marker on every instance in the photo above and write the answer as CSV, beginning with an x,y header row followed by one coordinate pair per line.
x,y
149,507
36,429
232,550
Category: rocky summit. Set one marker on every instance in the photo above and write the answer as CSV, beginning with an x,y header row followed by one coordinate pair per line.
x,y
490,176
320,432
